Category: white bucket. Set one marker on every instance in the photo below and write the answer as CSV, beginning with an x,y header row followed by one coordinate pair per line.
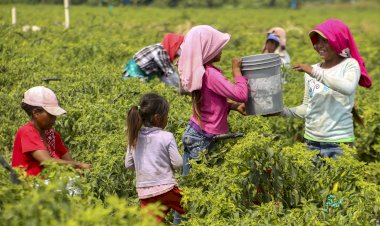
x,y
264,81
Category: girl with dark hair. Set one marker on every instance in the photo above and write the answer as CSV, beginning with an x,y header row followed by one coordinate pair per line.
x,y
210,89
153,154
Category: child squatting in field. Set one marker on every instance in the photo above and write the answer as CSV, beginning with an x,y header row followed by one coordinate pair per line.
x,y
36,141
330,88
156,59
153,154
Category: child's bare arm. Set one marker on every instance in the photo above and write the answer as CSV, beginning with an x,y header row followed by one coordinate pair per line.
x,y
43,155
236,64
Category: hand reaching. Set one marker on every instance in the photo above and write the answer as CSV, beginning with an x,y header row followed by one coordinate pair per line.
x,y
236,64
239,108
84,165
303,68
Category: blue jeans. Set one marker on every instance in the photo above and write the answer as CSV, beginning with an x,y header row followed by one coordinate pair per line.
x,y
194,143
326,149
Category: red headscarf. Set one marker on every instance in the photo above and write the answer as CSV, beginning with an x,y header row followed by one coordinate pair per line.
x,y
171,43
341,41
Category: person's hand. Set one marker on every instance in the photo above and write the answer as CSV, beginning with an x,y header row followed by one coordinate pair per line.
x,y
236,64
303,68
239,108
82,165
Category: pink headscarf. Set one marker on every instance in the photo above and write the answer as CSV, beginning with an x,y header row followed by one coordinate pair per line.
x,y
202,43
340,39
171,44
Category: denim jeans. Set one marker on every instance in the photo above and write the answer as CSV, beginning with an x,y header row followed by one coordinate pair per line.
x,y
326,149
194,143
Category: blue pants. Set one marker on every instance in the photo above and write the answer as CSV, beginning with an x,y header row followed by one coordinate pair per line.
x,y
194,143
326,149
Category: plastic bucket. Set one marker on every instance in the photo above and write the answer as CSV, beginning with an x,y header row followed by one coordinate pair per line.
x,y
264,80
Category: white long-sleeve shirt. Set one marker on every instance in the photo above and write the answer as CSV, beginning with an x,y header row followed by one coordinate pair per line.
x,y
328,102
155,158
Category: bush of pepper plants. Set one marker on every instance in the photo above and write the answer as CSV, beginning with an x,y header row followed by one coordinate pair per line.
x,y
264,178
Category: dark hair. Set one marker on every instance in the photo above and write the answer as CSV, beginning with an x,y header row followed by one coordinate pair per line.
x,y
357,118
150,105
29,108
196,98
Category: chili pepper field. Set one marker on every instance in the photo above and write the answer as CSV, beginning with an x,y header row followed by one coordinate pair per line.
x,y
252,180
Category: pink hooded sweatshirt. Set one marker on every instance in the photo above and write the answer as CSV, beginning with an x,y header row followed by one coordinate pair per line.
x,y
202,43
340,39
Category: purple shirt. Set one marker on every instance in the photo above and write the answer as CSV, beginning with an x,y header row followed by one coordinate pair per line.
x,y
154,158
215,91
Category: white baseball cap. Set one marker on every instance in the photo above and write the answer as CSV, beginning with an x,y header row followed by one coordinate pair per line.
x,y
41,96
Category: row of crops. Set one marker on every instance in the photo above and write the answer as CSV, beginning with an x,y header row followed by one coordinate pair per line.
x,y
223,190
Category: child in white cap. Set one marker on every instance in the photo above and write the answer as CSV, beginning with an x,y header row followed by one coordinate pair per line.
x,y
36,141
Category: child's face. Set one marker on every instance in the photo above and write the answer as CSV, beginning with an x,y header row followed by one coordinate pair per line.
x,y
43,119
271,46
217,57
324,49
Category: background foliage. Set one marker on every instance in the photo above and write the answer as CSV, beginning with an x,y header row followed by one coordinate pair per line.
x,y
254,180
198,3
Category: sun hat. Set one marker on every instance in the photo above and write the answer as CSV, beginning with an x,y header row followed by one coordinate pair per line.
x,y
281,33
41,96
273,37
312,33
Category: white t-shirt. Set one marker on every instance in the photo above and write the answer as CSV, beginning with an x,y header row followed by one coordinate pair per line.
x,y
328,102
